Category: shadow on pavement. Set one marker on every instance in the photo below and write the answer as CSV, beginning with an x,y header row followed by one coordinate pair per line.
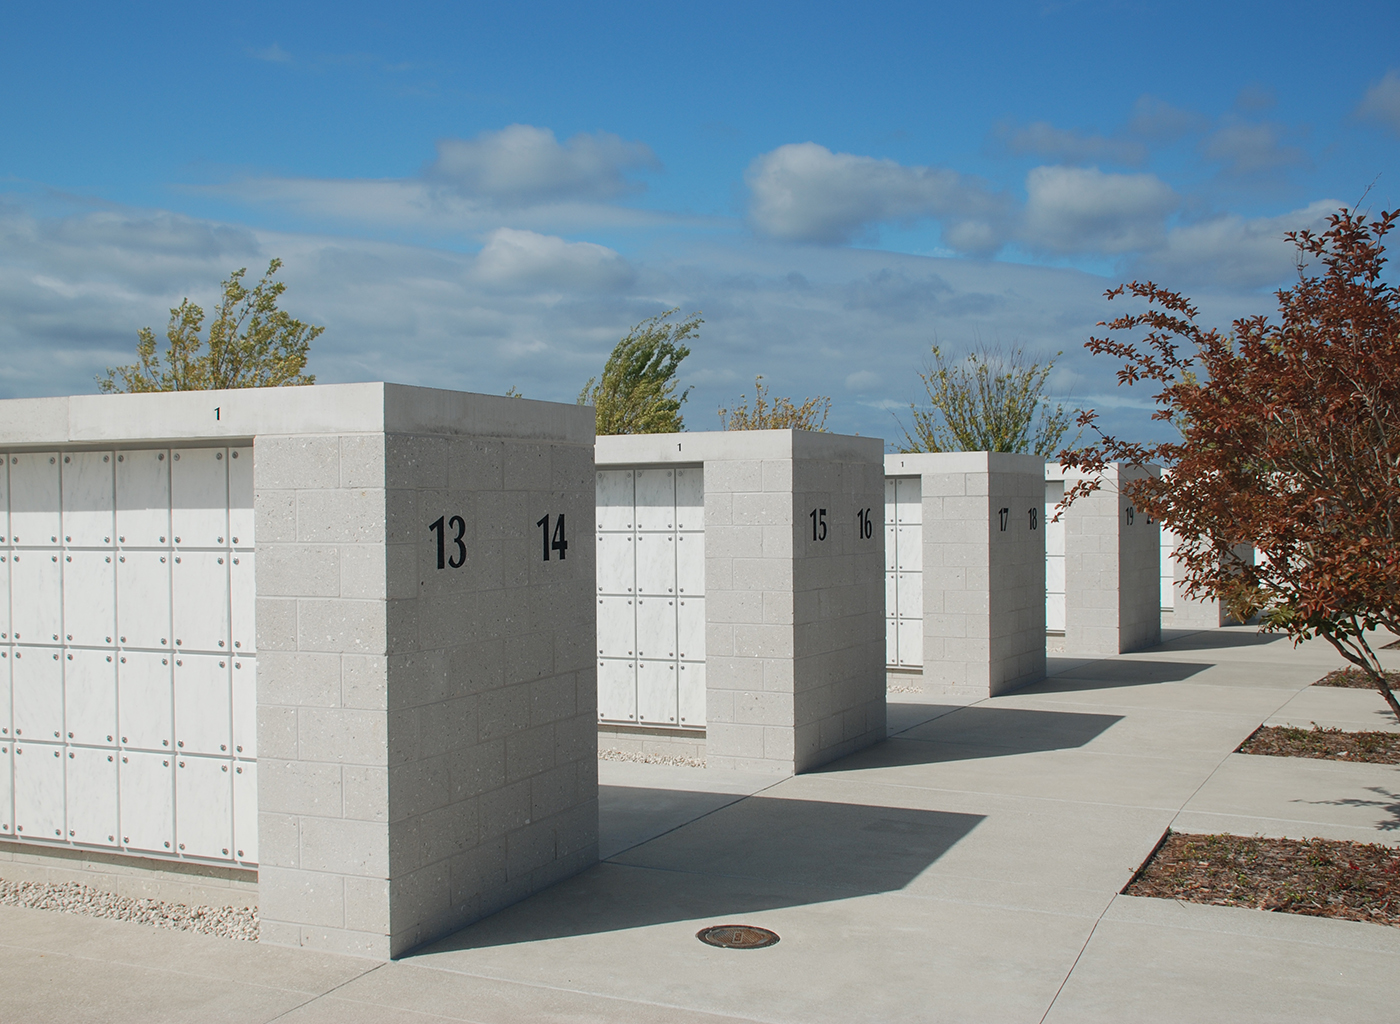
x,y
977,732
905,715
630,815
1110,674
756,854
1386,801
1219,640
720,858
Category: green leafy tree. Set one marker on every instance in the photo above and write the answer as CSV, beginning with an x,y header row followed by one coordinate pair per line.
x,y
252,344
994,401
637,392
775,413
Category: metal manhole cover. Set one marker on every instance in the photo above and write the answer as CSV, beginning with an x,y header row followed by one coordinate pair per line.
x,y
737,936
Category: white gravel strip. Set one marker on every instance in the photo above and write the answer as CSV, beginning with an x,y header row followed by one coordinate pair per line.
x,y
897,688
613,754
76,898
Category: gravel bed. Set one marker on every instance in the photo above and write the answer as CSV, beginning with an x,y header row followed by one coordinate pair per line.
x,y
680,761
1354,679
76,898
1315,877
900,688
1331,744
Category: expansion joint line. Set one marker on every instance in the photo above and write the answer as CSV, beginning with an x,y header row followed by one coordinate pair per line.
x,y
1090,937
322,995
1087,939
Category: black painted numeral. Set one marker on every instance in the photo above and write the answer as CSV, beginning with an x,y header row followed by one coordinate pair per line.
x,y
1128,514
864,525
1003,514
460,558
558,542
1034,514
436,527
460,526
818,517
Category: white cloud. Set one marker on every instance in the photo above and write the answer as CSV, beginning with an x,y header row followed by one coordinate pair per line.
x,y
1256,97
143,250
1043,139
428,207
804,192
523,259
1382,101
540,312
1232,251
273,54
1153,122
398,202
520,176
75,288
1158,120
532,311
1084,210
1251,148
523,165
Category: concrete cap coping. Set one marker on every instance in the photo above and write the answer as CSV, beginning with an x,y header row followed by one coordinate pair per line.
x,y
242,413
715,445
911,463
1117,471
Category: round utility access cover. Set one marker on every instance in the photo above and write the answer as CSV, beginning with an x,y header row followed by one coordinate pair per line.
x,y
737,936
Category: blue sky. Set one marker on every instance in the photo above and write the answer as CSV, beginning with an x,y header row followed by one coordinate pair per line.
x,y
483,196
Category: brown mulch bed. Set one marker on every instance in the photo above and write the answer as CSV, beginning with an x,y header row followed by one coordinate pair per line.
x,y
1394,645
1317,877
1355,679
1328,744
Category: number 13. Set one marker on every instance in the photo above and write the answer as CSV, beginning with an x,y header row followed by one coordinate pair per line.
x,y
460,558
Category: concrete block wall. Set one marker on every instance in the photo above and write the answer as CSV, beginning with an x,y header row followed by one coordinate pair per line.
x,y
838,597
429,752
1201,612
427,747
983,569
1112,567
322,723
795,625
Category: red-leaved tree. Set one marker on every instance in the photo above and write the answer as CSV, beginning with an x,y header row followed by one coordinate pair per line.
x,y
1289,441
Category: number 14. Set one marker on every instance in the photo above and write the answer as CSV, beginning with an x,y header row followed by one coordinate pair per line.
x,y
559,542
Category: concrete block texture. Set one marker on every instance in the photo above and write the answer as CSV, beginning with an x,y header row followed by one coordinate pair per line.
x,y
1201,612
1112,566
983,569
428,695
794,670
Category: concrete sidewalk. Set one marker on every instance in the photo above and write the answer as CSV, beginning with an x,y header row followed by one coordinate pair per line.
x,y
965,870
